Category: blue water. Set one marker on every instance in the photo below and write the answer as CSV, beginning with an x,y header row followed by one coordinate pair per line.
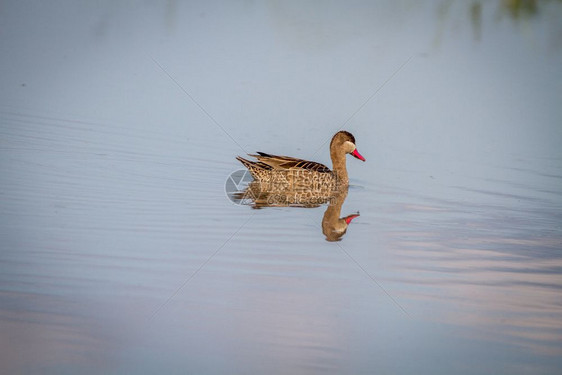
x,y
121,252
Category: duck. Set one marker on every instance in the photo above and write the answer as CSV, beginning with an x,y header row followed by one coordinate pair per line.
x,y
277,173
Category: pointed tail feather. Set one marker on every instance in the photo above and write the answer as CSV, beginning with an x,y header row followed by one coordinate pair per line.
x,y
248,164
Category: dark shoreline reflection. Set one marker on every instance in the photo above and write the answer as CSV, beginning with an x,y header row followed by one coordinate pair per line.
x,y
334,227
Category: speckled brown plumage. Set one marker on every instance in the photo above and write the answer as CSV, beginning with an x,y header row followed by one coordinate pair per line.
x,y
283,173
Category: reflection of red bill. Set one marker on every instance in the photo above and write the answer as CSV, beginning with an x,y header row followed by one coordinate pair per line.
x,y
357,155
350,217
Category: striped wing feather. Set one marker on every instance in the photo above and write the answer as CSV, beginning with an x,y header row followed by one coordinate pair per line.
x,y
286,162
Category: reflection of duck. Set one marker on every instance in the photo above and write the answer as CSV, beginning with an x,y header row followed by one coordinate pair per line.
x,y
283,172
284,195
333,226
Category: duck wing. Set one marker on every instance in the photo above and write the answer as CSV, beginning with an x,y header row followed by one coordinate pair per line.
x,y
287,162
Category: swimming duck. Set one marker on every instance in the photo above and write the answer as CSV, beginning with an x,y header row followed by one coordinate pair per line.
x,y
280,173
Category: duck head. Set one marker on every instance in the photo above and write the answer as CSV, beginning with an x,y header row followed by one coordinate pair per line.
x,y
345,141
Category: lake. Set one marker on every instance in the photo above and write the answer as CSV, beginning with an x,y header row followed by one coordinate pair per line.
x,y
123,251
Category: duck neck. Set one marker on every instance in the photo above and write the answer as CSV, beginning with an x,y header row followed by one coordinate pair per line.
x,y
339,167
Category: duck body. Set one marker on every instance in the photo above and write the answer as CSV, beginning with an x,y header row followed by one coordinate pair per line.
x,y
281,173
277,173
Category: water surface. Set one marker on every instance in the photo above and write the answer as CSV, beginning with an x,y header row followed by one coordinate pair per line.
x,y
121,253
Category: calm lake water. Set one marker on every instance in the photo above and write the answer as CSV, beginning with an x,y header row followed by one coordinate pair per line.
x,y
121,252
